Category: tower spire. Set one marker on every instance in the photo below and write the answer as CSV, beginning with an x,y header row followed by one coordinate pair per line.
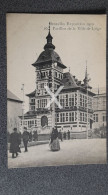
x,y
49,38
49,27
86,71
86,79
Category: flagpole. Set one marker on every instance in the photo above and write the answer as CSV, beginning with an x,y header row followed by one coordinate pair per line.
x,y
87,99
23,106
87,109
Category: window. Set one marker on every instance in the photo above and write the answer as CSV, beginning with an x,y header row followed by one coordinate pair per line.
x,y
38,103
62,117
104,118
55,74
33,100
80,100
81,116
66,116
57,117
85,117
62,101
42,103
71,116
95,117
83,101
42,85
66,99
71,101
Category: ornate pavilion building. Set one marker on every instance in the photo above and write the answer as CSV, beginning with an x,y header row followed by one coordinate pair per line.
x,y
76,109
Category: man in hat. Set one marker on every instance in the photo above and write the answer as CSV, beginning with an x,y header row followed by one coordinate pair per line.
x,y
25,137
14,143
68,134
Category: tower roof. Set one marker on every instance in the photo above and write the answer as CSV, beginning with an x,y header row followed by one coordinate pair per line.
x,y
49,55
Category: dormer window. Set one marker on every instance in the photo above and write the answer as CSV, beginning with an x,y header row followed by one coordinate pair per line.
x,y
58,57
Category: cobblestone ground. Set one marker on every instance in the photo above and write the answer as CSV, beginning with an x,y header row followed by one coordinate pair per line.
x,y
72,152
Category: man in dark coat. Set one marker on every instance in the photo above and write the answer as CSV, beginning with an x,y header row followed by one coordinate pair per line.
x,y
25,138
64,135
60,135
14,143
35,135
68,134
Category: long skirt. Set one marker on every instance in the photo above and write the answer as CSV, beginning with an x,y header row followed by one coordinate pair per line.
x,y
55,145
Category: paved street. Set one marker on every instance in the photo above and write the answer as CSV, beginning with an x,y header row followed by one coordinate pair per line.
x,y
73,152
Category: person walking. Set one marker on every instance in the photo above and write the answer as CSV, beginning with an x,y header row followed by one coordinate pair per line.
x,y
54,142
68,134
14,143
60,135
25,138
64,135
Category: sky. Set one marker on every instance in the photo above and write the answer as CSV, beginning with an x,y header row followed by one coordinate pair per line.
x,y
79,40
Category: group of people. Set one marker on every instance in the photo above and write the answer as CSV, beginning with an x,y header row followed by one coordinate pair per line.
x,y
15,141
33,136
65,135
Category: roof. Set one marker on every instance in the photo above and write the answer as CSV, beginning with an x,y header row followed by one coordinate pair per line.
x,y
12,97
49,55
69,81
100,95
32,94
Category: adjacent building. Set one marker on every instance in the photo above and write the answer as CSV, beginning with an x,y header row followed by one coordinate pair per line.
x,y
99,107
14,110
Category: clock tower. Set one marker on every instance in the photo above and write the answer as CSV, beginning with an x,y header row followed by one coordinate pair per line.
x,y
49,72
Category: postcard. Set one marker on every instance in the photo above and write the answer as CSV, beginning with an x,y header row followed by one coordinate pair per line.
x,y
56,89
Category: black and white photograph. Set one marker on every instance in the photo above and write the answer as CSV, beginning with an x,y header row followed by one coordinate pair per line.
x,y
56,89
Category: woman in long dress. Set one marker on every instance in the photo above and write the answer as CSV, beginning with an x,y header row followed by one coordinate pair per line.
x,y
54,142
